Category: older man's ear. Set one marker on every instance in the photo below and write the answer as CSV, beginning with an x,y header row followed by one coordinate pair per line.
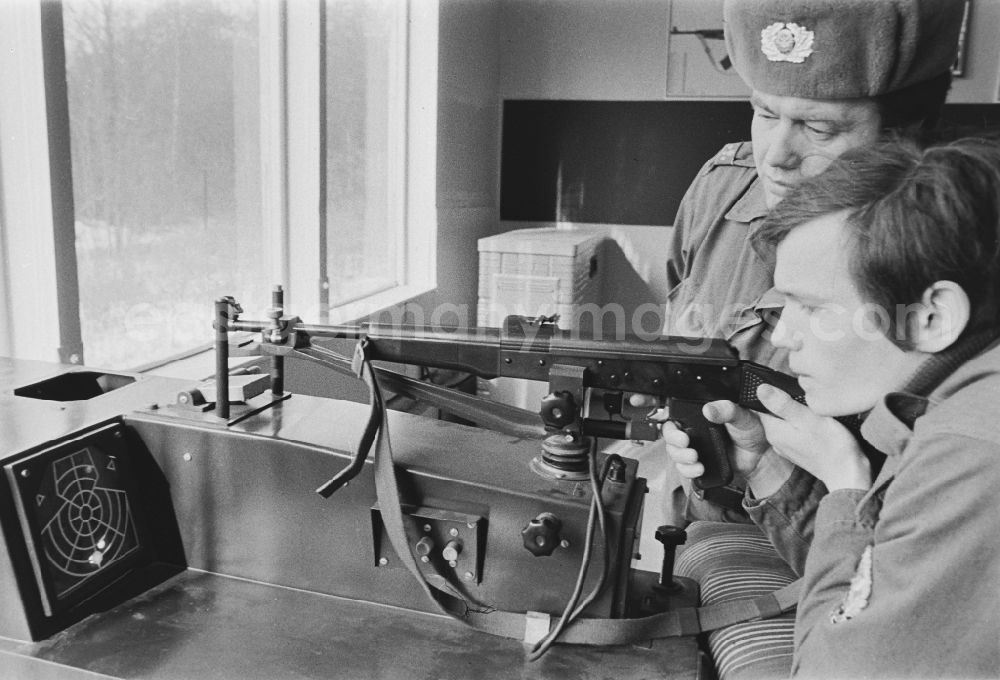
x,y
944,313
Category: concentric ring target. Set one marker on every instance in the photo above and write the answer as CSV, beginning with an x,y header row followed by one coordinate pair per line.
x,y
90,526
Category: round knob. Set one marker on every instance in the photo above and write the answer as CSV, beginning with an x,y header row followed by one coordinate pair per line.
x,y
670,537
192,397
541,536
424,546
558,409
451,551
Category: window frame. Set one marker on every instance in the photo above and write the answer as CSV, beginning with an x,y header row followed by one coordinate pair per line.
x,y
39,302
29,275
294,138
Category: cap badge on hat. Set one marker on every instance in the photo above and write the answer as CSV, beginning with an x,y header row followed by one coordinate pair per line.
x,y
786,42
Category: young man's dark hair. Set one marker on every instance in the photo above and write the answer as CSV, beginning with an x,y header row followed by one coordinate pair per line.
x,y
897,193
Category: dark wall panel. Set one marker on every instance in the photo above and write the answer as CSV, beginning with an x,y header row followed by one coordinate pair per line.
x,y
626,162
608,162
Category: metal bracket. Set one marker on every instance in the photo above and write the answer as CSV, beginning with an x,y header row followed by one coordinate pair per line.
x,y
444,543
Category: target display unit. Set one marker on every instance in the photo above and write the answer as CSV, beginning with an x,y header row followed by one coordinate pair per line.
x,y
85,517
73,504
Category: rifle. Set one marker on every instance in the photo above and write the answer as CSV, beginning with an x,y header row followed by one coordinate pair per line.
x,y
588,377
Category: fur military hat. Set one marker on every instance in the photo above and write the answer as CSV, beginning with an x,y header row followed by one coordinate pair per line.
x,y
841,49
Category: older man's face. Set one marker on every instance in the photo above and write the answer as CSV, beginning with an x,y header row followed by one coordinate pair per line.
x,y
795,138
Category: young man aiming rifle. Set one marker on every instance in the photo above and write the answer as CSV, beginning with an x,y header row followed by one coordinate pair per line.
x,y
888,265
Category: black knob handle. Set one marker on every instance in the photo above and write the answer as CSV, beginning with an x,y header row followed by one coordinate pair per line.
x,y
670,537
558,409
541,536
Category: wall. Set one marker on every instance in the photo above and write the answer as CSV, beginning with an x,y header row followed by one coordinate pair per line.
x,y
468,147
631,50
612,162
981,79
593,51
583,50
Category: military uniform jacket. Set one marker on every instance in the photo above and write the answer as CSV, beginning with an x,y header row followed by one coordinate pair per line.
x,y
718,285
903,580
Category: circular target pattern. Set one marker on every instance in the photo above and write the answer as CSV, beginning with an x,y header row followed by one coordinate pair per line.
x,y
90,526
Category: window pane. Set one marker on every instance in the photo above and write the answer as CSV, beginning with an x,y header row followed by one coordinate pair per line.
x,y
164,117
365,51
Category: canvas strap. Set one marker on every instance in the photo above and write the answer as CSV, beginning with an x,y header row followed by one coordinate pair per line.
x,y
530,627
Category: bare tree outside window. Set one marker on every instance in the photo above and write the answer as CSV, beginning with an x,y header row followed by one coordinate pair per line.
x,y
163,114
165,117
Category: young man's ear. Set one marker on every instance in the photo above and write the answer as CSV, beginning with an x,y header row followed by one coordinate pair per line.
x,y
944,313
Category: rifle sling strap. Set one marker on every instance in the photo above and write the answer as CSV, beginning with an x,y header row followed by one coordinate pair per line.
x,y
532,626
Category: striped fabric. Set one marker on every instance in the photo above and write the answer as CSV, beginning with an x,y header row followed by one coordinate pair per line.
x,y
733,561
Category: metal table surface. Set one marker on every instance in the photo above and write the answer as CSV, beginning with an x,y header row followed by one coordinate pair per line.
x,y
199,625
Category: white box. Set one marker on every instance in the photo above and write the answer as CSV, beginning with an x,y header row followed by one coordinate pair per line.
x,y
535,272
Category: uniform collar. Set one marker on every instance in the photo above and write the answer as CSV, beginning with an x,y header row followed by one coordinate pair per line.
x,y
890,424
887,430
750,206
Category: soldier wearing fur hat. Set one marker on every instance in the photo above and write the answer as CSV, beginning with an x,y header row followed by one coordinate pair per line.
x,y
826,76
